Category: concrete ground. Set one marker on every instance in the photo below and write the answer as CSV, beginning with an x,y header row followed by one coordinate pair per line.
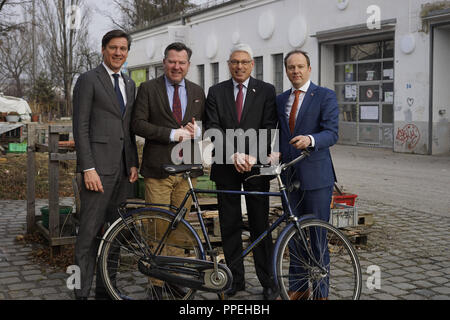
x,y
409,241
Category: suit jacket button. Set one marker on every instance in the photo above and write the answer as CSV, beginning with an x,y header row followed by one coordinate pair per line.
x,y
121,139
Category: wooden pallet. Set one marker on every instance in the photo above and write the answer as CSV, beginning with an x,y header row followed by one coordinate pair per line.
x,y
365,219
356,235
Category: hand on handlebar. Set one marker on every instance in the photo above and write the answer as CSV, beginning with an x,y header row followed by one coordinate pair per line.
x,y
243,162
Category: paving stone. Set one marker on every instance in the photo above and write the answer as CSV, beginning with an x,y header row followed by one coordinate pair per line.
x,y
393,290
384,296
35,277
443,290
9,280
8,274
18,294
440,297
43,291
22,286
425,292
405,286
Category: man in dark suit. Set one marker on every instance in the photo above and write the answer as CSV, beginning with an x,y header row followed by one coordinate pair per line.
x,y
248,104
166,112
308,118
106,150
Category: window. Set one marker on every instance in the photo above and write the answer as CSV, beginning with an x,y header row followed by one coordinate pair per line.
x,y
278,72
215,73
201,75
259,68
364,85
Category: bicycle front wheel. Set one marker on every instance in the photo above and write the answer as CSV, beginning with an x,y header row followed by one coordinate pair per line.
x,y
122,251
317,262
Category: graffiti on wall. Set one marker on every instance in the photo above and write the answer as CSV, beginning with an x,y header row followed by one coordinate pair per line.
x,y
409,135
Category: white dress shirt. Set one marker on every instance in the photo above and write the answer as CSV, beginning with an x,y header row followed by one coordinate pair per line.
x,y
290,102
121,82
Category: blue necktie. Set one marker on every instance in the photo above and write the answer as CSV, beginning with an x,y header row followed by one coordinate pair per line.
x,y
118,93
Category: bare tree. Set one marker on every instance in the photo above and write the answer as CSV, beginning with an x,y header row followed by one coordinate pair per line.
x,y
141,13
15,57
8,16
63,24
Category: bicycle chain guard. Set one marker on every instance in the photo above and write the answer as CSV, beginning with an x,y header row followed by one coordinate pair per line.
x,y
192,273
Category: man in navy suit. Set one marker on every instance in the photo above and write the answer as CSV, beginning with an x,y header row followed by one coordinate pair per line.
x,y
308,118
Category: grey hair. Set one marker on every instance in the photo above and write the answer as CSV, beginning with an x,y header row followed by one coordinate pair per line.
x,y
242,47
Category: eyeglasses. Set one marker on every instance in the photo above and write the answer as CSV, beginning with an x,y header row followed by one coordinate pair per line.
x,y
243,62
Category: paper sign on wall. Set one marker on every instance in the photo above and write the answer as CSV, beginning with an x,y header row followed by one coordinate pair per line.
x,y
369,113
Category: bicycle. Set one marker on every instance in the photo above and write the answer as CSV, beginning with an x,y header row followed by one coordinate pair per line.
x,y
154,253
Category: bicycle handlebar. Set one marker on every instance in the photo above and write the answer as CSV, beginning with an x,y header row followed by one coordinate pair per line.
x,y
268,170
305,153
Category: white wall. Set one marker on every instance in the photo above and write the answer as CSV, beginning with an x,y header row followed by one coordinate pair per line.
x,y
211,34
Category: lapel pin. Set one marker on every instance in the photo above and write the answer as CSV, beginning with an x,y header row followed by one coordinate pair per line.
x,y
312,94
253,90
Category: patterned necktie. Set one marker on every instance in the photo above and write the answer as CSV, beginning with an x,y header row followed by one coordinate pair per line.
x,y
294,109
118,92
239,102
176,105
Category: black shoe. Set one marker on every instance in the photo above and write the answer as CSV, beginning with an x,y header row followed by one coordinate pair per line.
x,y
80,298
101,294
234,289
271,293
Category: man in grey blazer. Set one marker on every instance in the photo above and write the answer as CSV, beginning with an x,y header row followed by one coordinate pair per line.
x,y
106,151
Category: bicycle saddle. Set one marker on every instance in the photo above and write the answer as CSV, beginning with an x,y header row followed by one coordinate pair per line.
x,y
194,169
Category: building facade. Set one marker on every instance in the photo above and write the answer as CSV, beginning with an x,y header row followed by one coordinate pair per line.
x,y
388,61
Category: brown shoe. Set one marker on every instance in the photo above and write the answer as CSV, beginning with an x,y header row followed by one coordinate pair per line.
x,y
298,295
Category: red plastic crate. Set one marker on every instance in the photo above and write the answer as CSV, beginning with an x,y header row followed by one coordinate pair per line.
x,y
348,199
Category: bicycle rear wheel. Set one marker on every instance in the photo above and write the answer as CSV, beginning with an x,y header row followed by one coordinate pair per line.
x,y
121,253
336,274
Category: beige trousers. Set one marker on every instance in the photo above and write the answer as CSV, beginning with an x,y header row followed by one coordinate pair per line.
x,y
171,190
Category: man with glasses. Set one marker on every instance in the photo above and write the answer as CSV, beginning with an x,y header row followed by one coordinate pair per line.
x,y
242,104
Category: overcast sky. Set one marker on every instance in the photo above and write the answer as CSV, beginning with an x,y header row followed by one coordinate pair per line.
x,y
100,23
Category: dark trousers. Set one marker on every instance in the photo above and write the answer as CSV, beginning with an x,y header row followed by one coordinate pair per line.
x,y
230,216
316,202
97,209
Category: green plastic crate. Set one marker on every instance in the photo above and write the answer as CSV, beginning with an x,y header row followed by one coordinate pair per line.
x,y
17,147
63,212
204,183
